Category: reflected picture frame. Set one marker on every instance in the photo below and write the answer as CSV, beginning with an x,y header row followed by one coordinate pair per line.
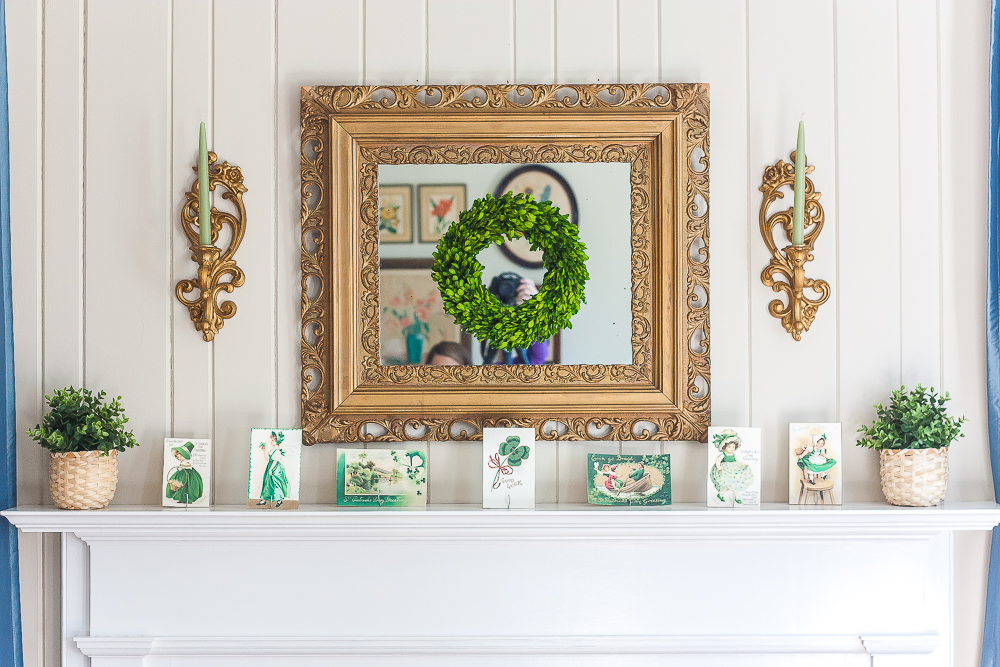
x,y
395,214
440,206
660,130
543,184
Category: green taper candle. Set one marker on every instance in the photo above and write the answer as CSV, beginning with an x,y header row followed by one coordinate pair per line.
x,y
800,186
204,207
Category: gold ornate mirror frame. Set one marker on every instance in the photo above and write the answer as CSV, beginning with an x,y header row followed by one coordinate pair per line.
x,y
660,129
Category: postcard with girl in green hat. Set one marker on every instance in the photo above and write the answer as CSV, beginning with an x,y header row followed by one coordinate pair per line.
x,y
187,471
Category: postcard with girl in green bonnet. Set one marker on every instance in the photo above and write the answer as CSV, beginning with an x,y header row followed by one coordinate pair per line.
x,y
187,471
733,467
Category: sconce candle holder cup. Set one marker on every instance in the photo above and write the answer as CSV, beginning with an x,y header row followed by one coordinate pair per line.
x,y
215,265
789,262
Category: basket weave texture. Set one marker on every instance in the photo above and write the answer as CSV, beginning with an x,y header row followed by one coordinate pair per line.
x,y
914,477
83,480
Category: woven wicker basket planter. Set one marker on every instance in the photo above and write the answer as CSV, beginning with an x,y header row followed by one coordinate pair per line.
x,y
83,480
914,477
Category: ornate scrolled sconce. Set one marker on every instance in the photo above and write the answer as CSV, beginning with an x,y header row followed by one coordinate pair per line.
x,y
214,264
790,261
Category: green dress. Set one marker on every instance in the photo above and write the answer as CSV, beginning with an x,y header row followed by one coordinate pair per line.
x,y
808,466
275,485
731,474
192,487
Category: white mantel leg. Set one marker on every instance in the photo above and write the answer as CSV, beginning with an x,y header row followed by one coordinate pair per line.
x,y
75,599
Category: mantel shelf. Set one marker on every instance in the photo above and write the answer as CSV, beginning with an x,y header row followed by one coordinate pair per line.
x,y
471,522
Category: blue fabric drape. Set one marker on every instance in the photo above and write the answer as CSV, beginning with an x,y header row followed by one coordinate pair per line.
x,y
10,593
991,631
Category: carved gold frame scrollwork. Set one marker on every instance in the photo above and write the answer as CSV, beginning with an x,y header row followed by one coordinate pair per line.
x,y
661,130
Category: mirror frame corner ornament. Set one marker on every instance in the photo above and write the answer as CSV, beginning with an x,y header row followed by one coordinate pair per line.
x,y
348,131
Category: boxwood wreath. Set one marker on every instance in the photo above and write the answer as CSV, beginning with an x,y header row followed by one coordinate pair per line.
x,y
459,275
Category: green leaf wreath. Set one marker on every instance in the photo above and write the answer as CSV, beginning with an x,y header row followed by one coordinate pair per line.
x,y
459,275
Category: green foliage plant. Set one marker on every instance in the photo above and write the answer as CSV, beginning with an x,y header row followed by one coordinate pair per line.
x,y
916,419
459,275
80,421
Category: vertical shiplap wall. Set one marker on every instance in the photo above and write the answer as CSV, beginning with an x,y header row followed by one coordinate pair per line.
x,y
106,97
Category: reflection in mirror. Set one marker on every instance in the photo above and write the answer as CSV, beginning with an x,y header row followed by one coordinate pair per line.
x,y
417,203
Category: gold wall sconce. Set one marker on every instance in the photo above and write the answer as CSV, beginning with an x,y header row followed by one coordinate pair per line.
x,y
214,264
789,262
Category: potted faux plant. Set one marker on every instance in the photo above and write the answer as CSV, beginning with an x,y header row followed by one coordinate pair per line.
x,y
84,435
912,436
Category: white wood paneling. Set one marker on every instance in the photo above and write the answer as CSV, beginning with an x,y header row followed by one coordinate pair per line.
x,y
919,197
964,34
534,41
638,41
127,269
24,97
717,55
868,219
894,95
304,62
395,42
586,41
191,104
484,55
790,381
62,194
245,373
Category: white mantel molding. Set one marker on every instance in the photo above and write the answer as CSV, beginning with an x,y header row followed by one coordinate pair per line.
x,y
235,647
545,523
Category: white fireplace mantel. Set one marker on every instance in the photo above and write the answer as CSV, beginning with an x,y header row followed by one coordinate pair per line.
x,y
862,584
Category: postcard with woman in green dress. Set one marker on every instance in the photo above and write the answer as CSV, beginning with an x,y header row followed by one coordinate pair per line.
x,y
733,467
275,463
381,477
814,456
187,470
628,479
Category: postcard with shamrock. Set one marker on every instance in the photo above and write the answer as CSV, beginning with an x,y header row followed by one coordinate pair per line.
x,y
382,477
275,462
814,468
508,468
187,472
733,467
628,479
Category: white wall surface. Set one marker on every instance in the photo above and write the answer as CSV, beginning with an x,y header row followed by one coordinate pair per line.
x,y
106,97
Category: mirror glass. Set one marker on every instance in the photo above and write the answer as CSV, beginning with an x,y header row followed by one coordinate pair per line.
x,y
418,202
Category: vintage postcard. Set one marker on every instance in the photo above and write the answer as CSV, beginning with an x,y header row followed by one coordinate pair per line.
x,y
381,477
275,463
187,472
733,467
395,219
814,464
439,207
628,479
508,468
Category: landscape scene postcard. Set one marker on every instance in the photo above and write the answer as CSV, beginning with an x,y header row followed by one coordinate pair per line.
x,y
733,467
814,464
275,462
381,477
508,468
628,479
187,471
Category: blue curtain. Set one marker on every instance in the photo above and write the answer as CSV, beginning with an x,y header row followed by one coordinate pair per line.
x,y
991,632
10,592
